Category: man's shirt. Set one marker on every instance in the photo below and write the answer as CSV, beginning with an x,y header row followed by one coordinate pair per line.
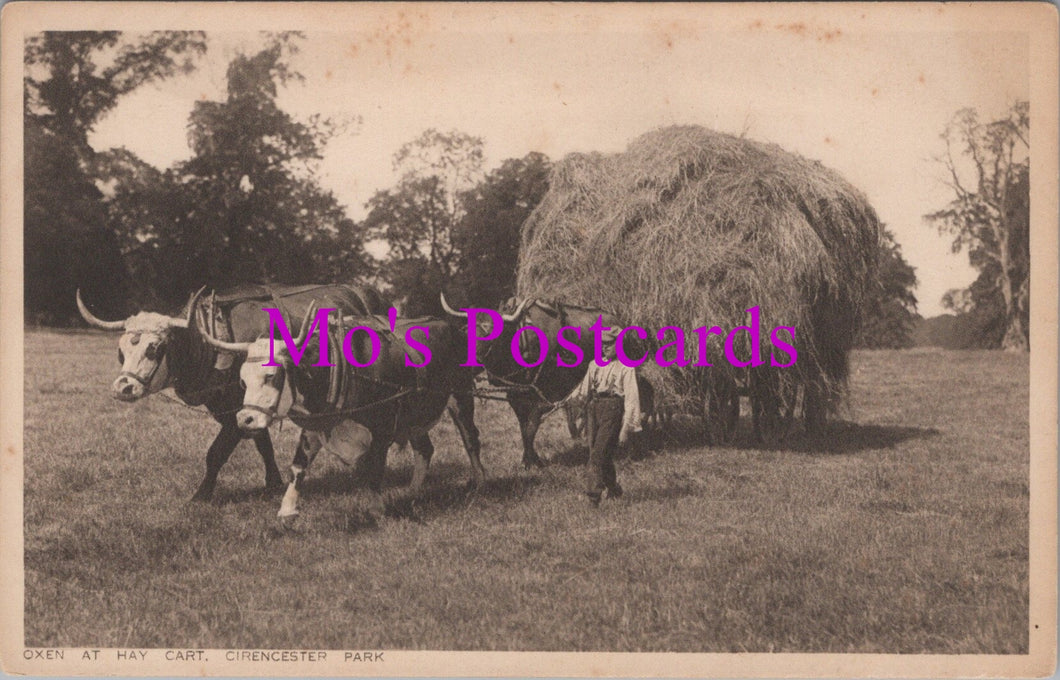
x,y
614,378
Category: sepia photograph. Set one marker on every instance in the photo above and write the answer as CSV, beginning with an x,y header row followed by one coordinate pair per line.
x,y
444,339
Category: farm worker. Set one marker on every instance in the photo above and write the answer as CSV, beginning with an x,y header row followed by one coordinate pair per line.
x,y
612,413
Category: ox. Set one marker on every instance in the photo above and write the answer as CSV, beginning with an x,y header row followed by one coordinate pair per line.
x,y
158,351
535,391
389,400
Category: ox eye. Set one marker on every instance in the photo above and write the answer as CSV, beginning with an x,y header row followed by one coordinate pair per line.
x,y
134,340
121,357
154,352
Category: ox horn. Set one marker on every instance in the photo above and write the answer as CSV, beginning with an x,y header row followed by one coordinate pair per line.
x,y
306,320
518,311
450,310
547,307
193,300
233,347
92,320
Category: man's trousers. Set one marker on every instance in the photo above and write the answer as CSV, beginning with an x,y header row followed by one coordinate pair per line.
x,y
604,427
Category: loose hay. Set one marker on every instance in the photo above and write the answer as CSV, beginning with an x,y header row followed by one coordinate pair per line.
x,y
690,227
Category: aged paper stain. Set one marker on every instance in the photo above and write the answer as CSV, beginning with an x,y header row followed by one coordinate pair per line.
x,y
803,30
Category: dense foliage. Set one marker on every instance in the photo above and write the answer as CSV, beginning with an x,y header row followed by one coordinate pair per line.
x,y
890,317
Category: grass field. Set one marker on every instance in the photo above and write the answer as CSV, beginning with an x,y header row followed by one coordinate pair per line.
x,y
904,530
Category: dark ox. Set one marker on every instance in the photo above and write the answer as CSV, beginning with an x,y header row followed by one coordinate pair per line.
x,y
158,351
533,392
355,410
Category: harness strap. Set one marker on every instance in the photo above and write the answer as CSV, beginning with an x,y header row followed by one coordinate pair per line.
x,y
143,383
254,407
279,303
337,374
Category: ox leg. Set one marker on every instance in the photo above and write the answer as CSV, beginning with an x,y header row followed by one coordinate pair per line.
x,y
575,419
528,411
463,416
375,470
424,449
273,479
308,447
220,450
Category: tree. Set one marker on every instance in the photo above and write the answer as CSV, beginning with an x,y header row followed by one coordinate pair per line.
x,y
488,235
247,205
890,314
67,244
72,79
990,217
417,218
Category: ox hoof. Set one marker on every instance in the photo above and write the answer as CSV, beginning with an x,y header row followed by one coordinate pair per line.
x,y
287,521
202,496
535,462
375,508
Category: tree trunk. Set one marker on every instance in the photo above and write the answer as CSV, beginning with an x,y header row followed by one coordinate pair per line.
x,y
1015,339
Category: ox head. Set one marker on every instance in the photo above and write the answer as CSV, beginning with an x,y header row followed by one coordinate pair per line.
x,y
551,380
141,349
268,392
484,327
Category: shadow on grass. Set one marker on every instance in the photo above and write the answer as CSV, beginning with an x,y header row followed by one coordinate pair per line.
x,y
576,453
447,488
248,494
444,496
838,437
846,437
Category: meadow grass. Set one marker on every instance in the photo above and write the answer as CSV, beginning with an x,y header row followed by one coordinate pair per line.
x,y
904,529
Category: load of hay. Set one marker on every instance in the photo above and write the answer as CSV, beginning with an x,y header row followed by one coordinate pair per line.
x,y
690,227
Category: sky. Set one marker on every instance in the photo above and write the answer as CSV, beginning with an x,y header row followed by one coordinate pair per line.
x,y
870,104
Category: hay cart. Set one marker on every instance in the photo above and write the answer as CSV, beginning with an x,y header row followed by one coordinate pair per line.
x,y
773,406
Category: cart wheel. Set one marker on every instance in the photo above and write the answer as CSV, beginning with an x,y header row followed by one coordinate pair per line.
x,y
773,413
723,411
813,410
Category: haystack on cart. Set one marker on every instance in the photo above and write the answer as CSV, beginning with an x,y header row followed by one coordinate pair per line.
x,y
689,228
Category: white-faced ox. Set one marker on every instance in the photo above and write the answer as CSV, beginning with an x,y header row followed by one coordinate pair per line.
x,y
158,351
367,390
535,389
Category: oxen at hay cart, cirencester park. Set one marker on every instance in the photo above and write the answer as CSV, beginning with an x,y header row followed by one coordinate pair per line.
x,y
691,228
378,381
158,351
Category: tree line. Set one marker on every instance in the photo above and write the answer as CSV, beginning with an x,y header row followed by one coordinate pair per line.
x,y
247,206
